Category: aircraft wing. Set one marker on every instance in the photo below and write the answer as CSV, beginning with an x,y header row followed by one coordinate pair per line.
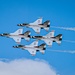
x,y
35,43
32,51
48,42
50,34
36,29
38,21
19,31
17,40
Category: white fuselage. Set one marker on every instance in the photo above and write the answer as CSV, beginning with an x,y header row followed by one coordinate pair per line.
x,y
19,36
35,25
30,47
47,38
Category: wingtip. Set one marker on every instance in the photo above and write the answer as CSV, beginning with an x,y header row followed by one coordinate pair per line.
x,y
18,42
43,53
38,32
13,46
18,24
40,17
53,31
50,45
33,54
0,34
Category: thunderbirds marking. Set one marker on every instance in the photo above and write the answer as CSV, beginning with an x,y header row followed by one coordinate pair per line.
x,y
49,38
17,35
33,47
37,25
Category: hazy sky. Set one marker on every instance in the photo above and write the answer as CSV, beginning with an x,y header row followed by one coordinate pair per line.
x,y
60,13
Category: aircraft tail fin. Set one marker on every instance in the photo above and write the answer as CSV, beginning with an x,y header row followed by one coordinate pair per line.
x,y
59,38
42,48
47,25
27,34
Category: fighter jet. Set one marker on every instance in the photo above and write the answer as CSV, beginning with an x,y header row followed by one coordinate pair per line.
x,y
49,38
37,25
33,47
17,35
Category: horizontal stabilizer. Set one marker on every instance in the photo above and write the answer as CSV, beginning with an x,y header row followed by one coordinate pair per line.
x,y
27,38
47,29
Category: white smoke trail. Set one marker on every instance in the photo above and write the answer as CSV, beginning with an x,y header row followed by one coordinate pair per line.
x,y
69,41
63,51
65,28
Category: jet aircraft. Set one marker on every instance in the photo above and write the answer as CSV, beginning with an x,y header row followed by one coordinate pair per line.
x,y
17,35
33,47
49,38
37,25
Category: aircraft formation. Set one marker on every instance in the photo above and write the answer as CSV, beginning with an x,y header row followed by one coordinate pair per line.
x,y
36,26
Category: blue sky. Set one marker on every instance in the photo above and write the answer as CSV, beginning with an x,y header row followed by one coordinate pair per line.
x,y
60,13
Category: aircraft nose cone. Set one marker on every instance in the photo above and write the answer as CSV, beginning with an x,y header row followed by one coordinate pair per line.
x,y
15,47
33,36
12,46
1,34
18,24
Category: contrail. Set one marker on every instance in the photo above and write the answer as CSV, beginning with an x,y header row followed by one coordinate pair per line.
x,y
69,41
63,51
65,28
